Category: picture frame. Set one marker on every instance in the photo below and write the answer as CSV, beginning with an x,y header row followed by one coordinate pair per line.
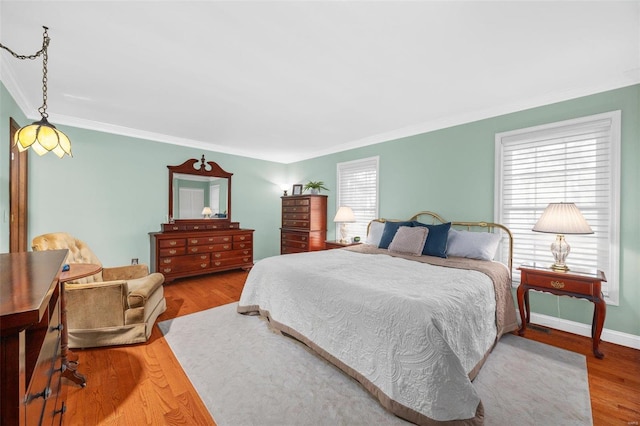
x,y
297,189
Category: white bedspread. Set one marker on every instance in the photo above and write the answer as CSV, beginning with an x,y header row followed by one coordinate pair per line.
x,y
414,330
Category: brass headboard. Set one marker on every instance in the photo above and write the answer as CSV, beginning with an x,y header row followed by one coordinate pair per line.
x,y
434,218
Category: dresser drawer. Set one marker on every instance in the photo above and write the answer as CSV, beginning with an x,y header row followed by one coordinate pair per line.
x,y
295,210
173,242
294,236
295,202
234,261
170,265
296,224
243,237
296,245
174,251
209,248
210,239
288,250
295,216
563,284
221,255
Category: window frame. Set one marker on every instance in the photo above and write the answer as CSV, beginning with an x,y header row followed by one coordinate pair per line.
x,y
361,219
611,288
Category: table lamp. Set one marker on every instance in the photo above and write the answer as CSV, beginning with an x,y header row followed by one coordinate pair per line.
x,y
344,216
560,219
206,212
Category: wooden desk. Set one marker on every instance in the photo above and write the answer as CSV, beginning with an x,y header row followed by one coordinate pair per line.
x,y
69,359
580,284
30,333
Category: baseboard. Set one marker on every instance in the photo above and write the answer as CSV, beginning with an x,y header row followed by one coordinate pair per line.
x,y
612,336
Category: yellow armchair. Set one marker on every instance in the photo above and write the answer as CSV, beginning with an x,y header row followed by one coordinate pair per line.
x,y
117,306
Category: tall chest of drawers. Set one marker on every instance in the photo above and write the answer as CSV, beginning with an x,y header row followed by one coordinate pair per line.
x,y
182,251
304,223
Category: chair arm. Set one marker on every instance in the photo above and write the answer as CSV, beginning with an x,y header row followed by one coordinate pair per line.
x,y
142,288
128,272
95,305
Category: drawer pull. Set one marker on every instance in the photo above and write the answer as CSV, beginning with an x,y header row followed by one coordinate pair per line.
x,y
175,228
172,243
303,245
304,238
194,241
217,263
203,265
557,284
215,226
217,255
242,237
194,249
172,251
62,409
226,246
242,245
45,394
166,261
203,257
166,270
245,252
225,239
196,227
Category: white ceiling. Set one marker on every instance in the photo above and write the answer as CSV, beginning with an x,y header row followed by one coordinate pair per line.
x,y
286,81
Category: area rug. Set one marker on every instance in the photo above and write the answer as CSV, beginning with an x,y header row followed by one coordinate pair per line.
x,y
247,374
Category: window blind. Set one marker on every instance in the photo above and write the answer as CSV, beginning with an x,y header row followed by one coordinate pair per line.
x,y
572,161
358,189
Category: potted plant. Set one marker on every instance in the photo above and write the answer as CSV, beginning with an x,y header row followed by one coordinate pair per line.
x,y
315,187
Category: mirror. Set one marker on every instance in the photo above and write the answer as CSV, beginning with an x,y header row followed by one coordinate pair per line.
x,y
193,187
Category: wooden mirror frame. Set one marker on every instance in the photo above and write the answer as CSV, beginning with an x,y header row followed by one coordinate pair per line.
x,y
188,168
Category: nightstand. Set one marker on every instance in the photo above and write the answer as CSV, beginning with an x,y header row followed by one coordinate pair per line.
x,y
574,283
334,244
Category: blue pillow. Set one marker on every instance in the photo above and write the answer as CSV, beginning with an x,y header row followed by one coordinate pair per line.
x,y
389,232
436,244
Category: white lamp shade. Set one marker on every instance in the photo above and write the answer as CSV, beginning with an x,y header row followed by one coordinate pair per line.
x,y
206,211
562,218
344,214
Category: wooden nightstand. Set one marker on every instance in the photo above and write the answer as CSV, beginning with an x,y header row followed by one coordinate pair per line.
x,y
334,244
580,284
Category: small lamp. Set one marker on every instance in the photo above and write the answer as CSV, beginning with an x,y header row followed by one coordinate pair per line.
x,y
206,212
560,219
344,216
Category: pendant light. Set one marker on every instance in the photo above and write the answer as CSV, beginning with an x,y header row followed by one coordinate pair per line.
x,y
41,135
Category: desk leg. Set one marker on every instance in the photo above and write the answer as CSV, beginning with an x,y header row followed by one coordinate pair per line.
x,y
69,360
523,299
599,311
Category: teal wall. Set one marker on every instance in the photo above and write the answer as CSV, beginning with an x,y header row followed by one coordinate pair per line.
x,y
114,191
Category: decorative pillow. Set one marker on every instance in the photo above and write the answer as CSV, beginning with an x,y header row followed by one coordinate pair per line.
x,y
375,233
389,232
409,240
474,245
436,244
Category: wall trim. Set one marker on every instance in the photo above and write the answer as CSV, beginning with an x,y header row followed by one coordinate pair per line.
x,y
612,336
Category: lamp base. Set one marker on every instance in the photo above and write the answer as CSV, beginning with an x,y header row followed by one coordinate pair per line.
x,y
560,250
343,233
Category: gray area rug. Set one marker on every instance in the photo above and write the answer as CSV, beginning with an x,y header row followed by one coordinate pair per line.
x,y
247,374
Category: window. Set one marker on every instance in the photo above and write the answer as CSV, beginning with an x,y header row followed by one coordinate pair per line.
x,y
571,161
191,203
358,189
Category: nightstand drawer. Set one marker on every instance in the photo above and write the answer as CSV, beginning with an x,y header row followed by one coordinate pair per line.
x,y
561,284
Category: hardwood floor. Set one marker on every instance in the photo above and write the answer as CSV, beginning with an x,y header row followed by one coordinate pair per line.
x,y
145,385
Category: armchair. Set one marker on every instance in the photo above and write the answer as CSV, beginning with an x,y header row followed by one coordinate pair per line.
x,y
117,306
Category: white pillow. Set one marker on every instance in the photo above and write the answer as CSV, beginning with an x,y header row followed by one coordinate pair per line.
x,y
409,240
375,233
474,245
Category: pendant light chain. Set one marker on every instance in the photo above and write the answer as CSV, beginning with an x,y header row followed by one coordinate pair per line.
x,y
45,58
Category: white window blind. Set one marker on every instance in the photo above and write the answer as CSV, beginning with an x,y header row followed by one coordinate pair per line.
x,y
358,189
571,161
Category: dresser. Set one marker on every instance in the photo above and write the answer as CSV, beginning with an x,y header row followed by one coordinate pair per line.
x,y
304,223
30,330
186,249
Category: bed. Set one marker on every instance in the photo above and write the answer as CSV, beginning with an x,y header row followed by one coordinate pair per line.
x,y
411,318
